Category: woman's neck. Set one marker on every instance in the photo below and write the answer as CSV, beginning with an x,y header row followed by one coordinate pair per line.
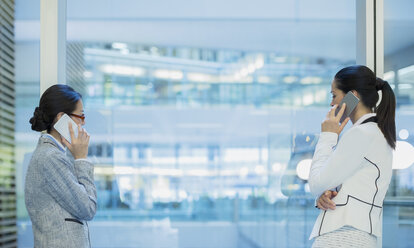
x,y
56,135
360,111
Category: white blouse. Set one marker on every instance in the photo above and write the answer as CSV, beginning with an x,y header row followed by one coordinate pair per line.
x,y
359,166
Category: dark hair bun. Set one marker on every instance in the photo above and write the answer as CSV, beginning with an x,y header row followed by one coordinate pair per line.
x,y
58,98
38,122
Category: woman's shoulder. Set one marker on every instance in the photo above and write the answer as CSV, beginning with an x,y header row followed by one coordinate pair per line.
x,y
363,134
47,147
47,151
366,129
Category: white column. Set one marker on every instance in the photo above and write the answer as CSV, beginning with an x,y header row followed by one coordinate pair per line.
x,y
52,43
379,37
370,34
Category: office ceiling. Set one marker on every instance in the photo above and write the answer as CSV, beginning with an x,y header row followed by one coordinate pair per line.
x,y
319,28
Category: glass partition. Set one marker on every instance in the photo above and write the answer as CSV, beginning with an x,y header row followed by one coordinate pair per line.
x,y
399,71
208,142
204,119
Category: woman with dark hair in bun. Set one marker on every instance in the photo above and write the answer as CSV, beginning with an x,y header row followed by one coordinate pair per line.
x,y
350,176
60,194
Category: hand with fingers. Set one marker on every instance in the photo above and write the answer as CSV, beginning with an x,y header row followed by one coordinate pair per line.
x,y
79,145
332,121
325,200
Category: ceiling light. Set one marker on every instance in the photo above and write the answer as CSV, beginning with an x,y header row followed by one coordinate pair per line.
x,y
303,168
403,155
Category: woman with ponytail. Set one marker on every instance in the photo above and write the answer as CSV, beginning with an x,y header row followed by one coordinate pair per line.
x,y
350,174
60,194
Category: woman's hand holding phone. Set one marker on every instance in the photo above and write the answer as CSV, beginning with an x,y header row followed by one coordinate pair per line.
x,y
332,122
79,145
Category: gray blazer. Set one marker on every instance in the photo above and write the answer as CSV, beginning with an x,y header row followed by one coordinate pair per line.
x,y
60,196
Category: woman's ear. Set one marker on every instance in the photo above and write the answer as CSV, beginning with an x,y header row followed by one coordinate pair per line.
x,y
355,93
58,116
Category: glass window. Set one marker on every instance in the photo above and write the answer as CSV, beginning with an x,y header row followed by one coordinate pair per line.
x,y
204,119
27,78
399,71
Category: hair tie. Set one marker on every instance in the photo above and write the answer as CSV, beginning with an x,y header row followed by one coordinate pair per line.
x,y
379,84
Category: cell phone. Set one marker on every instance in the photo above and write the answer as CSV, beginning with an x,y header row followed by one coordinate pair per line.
x,y
62,126
351,102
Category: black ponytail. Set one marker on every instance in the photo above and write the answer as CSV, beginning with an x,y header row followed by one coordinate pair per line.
x,y
57,98
364,81
386,112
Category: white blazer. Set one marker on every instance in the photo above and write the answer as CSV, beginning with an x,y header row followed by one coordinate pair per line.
x,y
359,166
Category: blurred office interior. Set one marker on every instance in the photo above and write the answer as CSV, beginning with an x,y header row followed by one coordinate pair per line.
x,y
204,115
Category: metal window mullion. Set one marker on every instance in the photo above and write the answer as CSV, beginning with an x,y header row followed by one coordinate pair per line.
x,y
8,116
6,73
4,130
7,31
8,236
5,15
8,206
8,157
7,47
7,154
7,36
379,37
6,90
7,82
8,182
6,79
7,229
5,43
9,9
365,33
9,165
7,197
6,222
6,97
7,107
4,190
7,141
7,58
9,4
8,67
8,173
370,34
10,245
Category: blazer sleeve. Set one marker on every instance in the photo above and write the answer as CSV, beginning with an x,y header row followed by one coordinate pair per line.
x,y
75,192
332,166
